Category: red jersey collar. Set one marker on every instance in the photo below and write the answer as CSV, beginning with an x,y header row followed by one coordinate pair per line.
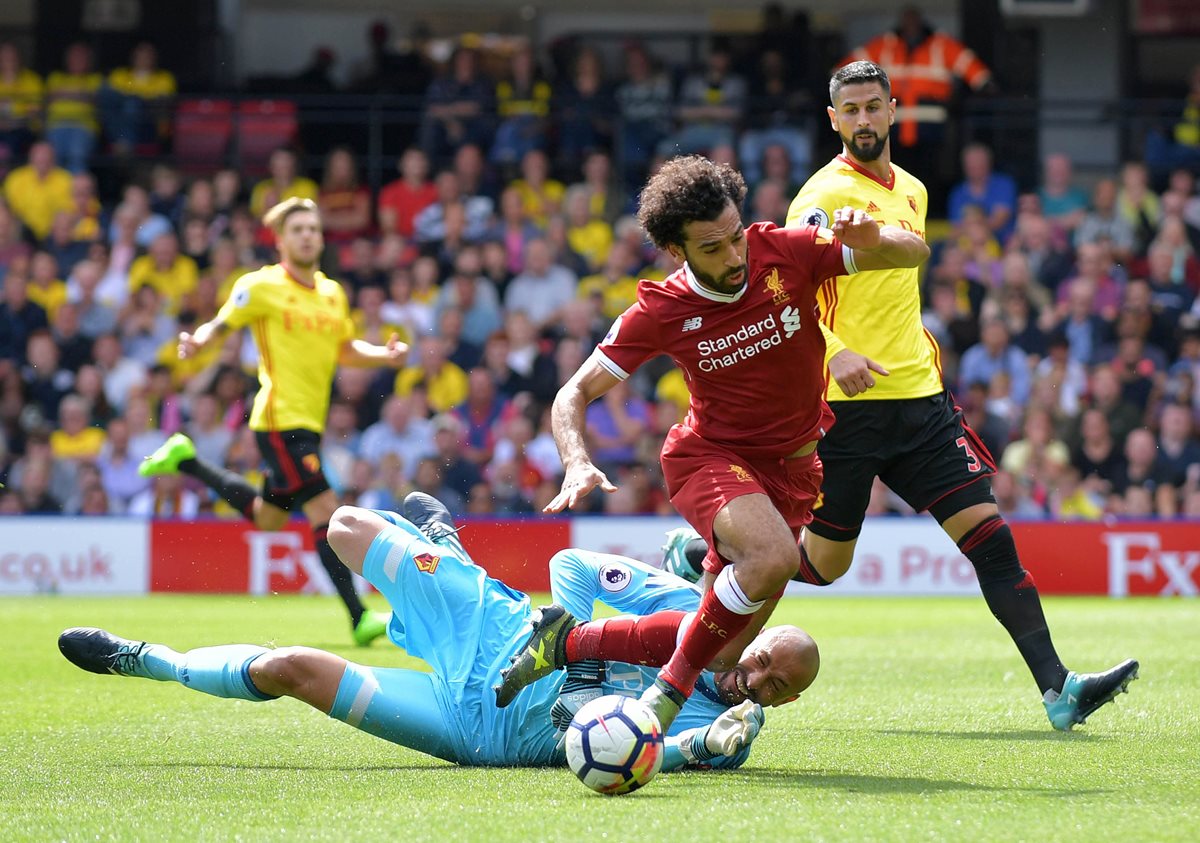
x,y
891,180
288,272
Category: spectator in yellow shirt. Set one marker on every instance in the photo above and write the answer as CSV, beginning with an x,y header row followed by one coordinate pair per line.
x,y
135,103
172,274
613,284
672,388
46,289
76,439
20,104
283,183
445,384
38,190
541,194
589,236
71,101
85,209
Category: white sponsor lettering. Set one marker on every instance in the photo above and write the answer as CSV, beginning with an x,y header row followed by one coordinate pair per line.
x,y
100,555
1140,556
741,335
740,353
54,569
282,556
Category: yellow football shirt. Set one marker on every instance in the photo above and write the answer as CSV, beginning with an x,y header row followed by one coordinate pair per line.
x,y
591,242
262,198
617,295
172,283
148,86
877,313
36,201
443,392
71,99
49,298
22,96
539,204
299,332
85,445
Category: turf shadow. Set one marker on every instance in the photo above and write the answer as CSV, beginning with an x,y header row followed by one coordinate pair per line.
x,y
866,783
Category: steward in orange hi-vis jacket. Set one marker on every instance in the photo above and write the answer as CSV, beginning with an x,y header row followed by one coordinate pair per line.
x,y
922,65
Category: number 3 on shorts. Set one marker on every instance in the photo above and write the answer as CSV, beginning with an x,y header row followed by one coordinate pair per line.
x,y
973,463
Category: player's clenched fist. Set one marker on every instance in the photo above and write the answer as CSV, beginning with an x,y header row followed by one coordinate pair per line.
x,y
856,228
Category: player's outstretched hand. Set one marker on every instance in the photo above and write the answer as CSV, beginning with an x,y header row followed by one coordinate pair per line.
x,y
852,371
856,229
577,482
736,729
397,352
187,345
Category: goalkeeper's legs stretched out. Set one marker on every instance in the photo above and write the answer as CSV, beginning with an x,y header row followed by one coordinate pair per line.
x,y
395,704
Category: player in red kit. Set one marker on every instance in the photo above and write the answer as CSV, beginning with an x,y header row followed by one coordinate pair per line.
x,y
739,319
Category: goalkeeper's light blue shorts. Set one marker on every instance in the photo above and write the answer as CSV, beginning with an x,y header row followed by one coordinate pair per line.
x,y
447,611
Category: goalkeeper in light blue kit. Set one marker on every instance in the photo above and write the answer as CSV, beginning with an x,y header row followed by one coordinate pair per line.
x,y
447,611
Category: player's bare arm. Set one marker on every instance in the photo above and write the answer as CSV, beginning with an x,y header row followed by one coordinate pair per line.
x,y
568,421
366,355
190,344
878,246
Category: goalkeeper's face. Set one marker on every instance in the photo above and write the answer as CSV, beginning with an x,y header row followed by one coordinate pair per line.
x,y
780,663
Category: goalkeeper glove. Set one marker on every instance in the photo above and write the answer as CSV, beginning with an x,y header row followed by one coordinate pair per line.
x,y
584,679
729,734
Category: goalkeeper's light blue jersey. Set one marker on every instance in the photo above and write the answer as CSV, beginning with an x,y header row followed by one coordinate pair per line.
x,y
465,624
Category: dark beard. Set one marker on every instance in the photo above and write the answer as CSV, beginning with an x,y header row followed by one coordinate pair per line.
x,y
721,284
719,687
869,153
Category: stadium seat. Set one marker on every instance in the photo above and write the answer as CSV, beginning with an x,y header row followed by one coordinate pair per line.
x,y
262,127
202,131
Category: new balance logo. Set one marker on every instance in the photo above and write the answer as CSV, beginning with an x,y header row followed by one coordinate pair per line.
x,y
872,208
693,323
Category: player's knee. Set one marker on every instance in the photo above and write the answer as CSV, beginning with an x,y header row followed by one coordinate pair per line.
x,y
770,569
344,527
559,561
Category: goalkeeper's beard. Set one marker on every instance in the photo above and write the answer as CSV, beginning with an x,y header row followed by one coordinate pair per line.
x,y
727,688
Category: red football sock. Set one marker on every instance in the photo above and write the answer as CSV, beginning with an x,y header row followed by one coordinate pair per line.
x,y
648,640
715,625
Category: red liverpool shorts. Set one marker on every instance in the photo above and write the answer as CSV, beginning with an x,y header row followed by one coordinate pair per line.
x,y
702,478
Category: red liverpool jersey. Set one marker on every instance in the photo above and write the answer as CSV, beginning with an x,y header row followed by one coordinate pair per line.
x,y
754,360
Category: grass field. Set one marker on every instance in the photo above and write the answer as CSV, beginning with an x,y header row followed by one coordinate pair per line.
x,y
923,725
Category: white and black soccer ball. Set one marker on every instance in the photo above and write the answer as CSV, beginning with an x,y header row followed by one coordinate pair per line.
x,y
615,745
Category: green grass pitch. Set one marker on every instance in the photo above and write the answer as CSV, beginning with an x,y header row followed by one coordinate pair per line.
x,y
923,725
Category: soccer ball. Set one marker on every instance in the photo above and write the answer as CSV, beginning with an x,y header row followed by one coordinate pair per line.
x,y
615,745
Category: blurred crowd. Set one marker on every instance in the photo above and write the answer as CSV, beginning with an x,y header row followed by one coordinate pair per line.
x,y
1067,317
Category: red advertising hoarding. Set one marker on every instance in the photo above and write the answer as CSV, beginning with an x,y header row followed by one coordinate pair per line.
x,y
233,557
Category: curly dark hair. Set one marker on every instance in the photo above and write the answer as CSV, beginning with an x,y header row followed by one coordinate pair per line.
x,y
687,189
